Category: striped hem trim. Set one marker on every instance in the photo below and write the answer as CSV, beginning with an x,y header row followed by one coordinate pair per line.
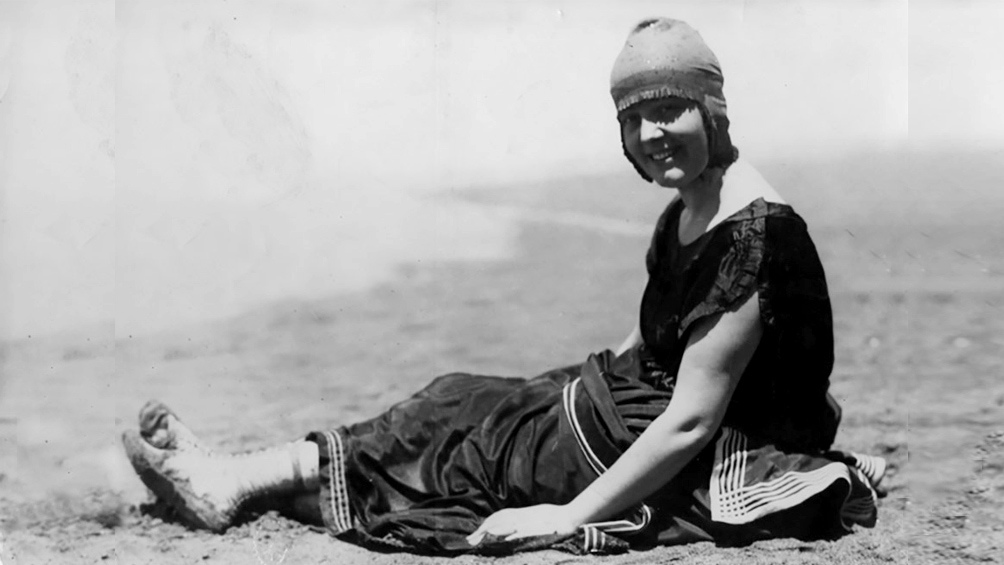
x,y
873,467
594,541
732,502
338,501
644,515
593,533
568,402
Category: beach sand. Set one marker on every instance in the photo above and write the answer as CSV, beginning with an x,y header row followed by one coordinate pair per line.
x,y
919,315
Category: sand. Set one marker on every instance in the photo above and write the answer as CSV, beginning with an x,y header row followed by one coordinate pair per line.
x,y
919,326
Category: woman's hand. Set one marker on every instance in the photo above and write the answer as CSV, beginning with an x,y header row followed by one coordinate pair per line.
x,y
515,523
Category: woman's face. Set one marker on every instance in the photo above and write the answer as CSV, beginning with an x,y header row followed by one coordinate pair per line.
x,y
666,138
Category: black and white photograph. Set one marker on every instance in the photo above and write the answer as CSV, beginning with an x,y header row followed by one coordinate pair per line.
x,y
501,281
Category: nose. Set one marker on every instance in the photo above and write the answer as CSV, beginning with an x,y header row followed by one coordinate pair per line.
x,y
649,130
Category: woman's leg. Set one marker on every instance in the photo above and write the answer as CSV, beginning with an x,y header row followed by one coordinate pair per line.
x,y
209,489
304,508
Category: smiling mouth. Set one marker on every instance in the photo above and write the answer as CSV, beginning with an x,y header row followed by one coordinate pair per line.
x,y
662,155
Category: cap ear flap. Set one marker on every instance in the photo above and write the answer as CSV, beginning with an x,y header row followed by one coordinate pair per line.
x,y
641,172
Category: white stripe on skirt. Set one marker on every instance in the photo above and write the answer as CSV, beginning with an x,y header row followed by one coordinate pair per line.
x,y
733,502
340,510
612,526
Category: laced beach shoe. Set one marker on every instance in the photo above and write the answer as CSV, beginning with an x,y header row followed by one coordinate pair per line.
x,y
201,487
208,489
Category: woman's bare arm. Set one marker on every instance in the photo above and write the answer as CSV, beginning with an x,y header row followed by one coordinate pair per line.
x,y
633,339
717,354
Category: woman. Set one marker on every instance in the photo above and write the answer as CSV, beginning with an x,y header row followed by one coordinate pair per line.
x,y
711,422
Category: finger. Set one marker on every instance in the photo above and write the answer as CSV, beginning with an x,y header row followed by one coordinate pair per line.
x,y
490,523
495,530
502,530
481,533
524,534
476,537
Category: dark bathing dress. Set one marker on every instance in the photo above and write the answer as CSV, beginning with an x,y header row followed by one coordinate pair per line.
x,y
425,474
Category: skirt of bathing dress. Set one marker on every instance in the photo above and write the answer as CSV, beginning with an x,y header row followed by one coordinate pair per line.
x,y
425,474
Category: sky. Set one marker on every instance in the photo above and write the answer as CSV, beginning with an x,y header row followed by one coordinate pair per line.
x,y
170,162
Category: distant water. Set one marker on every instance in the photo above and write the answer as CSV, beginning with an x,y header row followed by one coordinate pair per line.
x,y
880,221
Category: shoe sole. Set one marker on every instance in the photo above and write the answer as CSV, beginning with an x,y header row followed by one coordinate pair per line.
x,y
192,508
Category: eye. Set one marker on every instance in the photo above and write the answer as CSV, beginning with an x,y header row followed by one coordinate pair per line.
x,y
628,120
670,111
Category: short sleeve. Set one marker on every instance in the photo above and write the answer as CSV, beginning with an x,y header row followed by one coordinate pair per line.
x,y
730,275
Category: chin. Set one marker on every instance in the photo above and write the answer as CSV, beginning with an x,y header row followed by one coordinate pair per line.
x,y
677,177
671,180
